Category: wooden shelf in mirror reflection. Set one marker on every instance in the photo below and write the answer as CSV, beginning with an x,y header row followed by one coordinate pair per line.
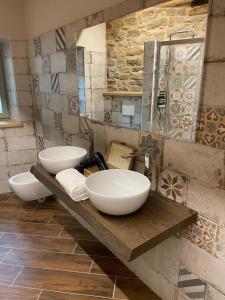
x,y
126,236
122,94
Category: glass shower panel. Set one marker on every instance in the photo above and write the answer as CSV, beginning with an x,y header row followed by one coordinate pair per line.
x,y
178,86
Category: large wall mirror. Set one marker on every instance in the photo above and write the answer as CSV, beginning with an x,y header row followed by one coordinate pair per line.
x,y
144,70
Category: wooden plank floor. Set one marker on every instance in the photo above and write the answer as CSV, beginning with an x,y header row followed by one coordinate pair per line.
x,y
46,254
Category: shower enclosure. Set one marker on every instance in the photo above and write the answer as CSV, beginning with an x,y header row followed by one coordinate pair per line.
x,y
176,84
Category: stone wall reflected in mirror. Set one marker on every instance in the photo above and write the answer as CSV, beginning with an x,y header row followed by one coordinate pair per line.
x,y
115,88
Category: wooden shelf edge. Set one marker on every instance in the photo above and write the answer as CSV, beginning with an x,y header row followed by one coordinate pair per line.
x,y
97,223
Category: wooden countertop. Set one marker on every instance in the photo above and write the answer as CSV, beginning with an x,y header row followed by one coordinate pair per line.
x,y
126,236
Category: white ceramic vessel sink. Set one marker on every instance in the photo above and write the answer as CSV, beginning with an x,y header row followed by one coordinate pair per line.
x,y
56,159
117,192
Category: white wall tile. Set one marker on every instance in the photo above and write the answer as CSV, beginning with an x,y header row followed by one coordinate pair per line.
x,y
60,103
181,296
45,83
98,82
3,159
204,265
21,113
98,58
21,143
58,62
87,83
2,133
14,170
30,48
209,202
219,248
98,71
214,88
24,98
19,49
87,70
22,157
3,146
35,65
195,160
48,117
158,283
216,46
71,124
48,42
23,82
99,132
4,172
123,135
4,187
20,65
26,130
87,57
68,83
213,294
164,259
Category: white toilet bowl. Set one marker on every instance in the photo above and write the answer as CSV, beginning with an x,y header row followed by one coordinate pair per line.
x,y
27,187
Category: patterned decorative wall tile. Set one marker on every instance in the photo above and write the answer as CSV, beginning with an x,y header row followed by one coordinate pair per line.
x,y
211,127
40,143
58,121
35,83
73,102
173,186
190,285
108,116
71,60
55,83
202,234
60,39
37,46
46,66
49,101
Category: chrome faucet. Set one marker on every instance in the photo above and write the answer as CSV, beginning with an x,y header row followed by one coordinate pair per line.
x,y
133,154
146,155
88,133
149,149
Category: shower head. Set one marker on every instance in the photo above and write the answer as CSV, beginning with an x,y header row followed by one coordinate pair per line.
x,y
199,2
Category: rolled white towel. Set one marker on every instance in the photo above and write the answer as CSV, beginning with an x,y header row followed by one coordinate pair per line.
x,y
73,183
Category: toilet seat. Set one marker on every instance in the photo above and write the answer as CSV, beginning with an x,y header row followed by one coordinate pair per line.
x,y
27,187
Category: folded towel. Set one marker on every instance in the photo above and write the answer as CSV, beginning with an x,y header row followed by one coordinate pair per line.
x,y
73,183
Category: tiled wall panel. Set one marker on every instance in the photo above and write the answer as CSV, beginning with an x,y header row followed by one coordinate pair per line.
x,y
18,145
53,67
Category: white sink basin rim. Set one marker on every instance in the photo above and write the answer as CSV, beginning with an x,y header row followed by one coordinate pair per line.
x,y
117,191
56,159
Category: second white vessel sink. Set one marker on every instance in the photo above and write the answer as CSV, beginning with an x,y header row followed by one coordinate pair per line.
x,y
56,159
117,191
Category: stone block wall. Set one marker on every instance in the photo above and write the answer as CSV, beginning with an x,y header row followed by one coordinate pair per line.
x,y
126,37
17,145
